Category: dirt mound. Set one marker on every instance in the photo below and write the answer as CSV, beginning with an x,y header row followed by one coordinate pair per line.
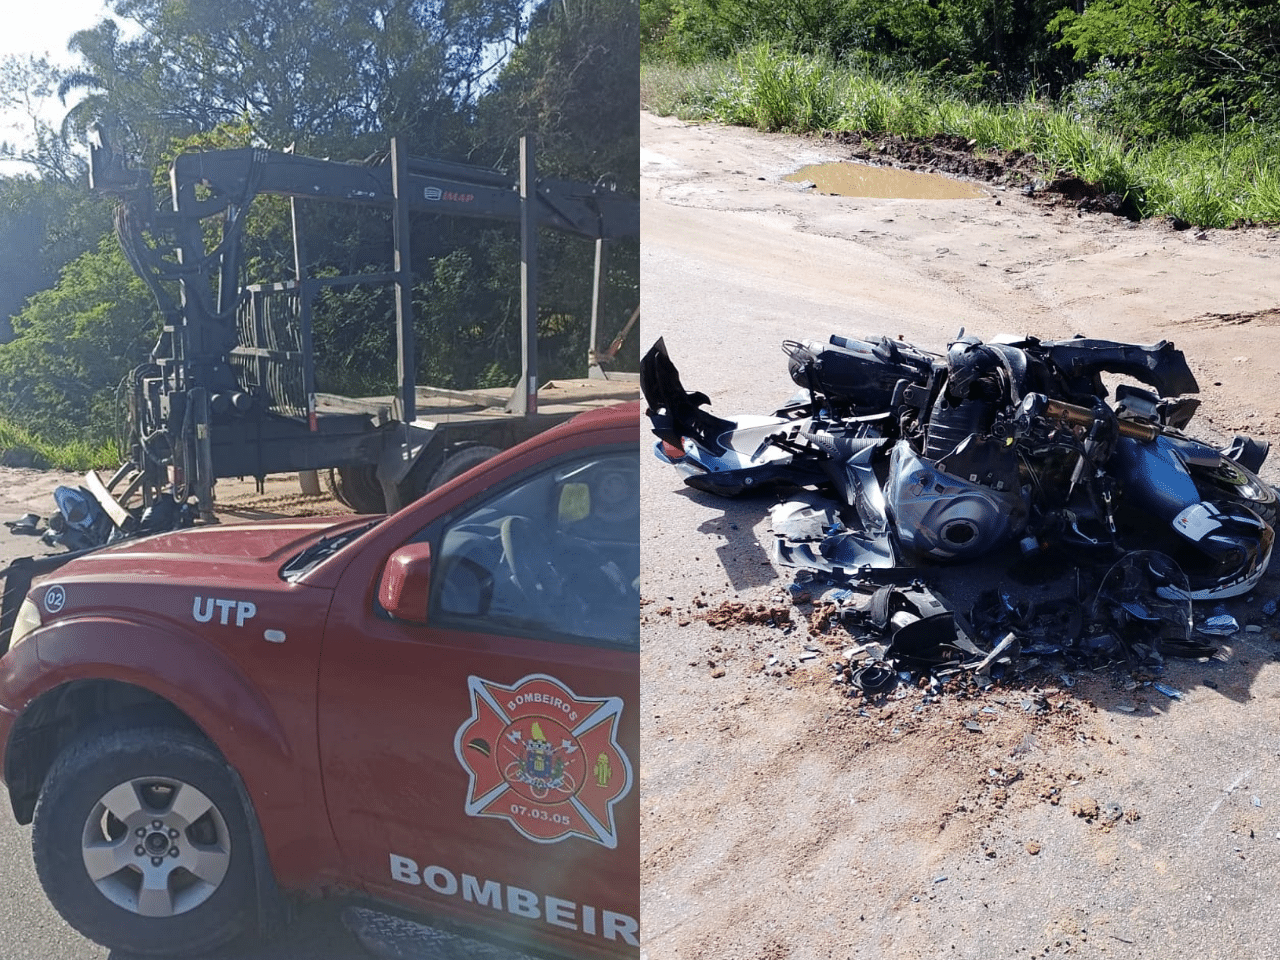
x,y
735,613
957,156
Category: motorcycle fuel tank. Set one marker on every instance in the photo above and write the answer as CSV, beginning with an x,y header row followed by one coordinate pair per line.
x,y
944,517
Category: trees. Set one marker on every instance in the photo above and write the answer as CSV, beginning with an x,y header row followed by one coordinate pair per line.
x,y
455,79
43,225
574,85
73,343
322,73
999,45
1179,66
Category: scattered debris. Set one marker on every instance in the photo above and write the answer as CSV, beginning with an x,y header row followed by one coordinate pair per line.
x,y
734,613
1220,625
28,524
893,458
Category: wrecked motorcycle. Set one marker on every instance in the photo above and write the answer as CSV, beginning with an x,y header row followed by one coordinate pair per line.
x,y
931,457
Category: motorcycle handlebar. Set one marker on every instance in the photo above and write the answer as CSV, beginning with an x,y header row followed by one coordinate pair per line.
x,y
1038,404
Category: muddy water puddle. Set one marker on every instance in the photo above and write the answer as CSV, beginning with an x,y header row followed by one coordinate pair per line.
x,y
887,183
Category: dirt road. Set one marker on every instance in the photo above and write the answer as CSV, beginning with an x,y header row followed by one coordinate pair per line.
x,y
1083,818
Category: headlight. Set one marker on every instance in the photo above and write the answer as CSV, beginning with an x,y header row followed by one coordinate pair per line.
x,y
27,620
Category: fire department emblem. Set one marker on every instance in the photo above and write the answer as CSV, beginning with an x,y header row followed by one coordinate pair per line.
x,y
544,758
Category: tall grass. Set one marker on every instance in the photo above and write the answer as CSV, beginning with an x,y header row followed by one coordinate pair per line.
x,y
1208,181
20,447
686,92
772,90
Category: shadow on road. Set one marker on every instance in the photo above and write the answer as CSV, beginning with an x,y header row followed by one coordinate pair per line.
x,y
316,933
745,561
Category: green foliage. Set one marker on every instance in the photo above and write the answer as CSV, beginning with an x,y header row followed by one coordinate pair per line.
x,y
983,45
574,85
27,87
1211,181
72,345
455,79
778,91
43,224
1177,66
20,447
323,73
688,92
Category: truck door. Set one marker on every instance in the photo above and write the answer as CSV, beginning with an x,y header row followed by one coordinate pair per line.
x,y
481,764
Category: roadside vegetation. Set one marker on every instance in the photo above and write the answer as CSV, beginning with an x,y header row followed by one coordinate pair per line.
x,y
1172,106
20,447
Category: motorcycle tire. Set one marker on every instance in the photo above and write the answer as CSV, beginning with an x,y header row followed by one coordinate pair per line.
x,y
1231,482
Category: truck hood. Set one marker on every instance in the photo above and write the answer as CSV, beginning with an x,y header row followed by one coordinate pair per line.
x,y
221,551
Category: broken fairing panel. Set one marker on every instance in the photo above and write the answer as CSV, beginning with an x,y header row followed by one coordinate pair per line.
x,y
805,518
816,537
745,446
842,553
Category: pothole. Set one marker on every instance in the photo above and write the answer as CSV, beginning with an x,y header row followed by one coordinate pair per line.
x,y
886,183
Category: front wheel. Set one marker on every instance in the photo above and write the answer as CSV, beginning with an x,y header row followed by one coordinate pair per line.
x,y
142,843
1231,482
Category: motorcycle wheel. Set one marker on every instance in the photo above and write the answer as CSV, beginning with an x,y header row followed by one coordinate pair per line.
x,y
1230,482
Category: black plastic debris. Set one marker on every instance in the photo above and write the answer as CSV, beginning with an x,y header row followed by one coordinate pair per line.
x,y
1134,617
874,678
27,525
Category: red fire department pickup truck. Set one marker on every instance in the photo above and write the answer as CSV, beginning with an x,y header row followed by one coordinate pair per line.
x,y
436,711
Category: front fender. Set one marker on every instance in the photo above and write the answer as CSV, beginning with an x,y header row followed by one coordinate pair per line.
x,y
275,755
192,674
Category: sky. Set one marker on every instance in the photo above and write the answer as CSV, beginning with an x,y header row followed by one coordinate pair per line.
x,y
42,29
46,27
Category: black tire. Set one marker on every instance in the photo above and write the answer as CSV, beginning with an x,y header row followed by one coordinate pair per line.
x,y
357,486
335,488
159,770
456,464
1230,482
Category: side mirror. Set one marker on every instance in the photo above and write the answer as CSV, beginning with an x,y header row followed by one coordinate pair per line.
x,y
406,583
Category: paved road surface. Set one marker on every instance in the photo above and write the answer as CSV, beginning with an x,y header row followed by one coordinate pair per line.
x,y
781,820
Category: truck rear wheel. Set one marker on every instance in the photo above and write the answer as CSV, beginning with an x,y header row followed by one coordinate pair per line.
x,y
427,474
456,464
357,486
142,844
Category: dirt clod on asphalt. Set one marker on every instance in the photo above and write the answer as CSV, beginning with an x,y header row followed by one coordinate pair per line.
x,y
733,613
